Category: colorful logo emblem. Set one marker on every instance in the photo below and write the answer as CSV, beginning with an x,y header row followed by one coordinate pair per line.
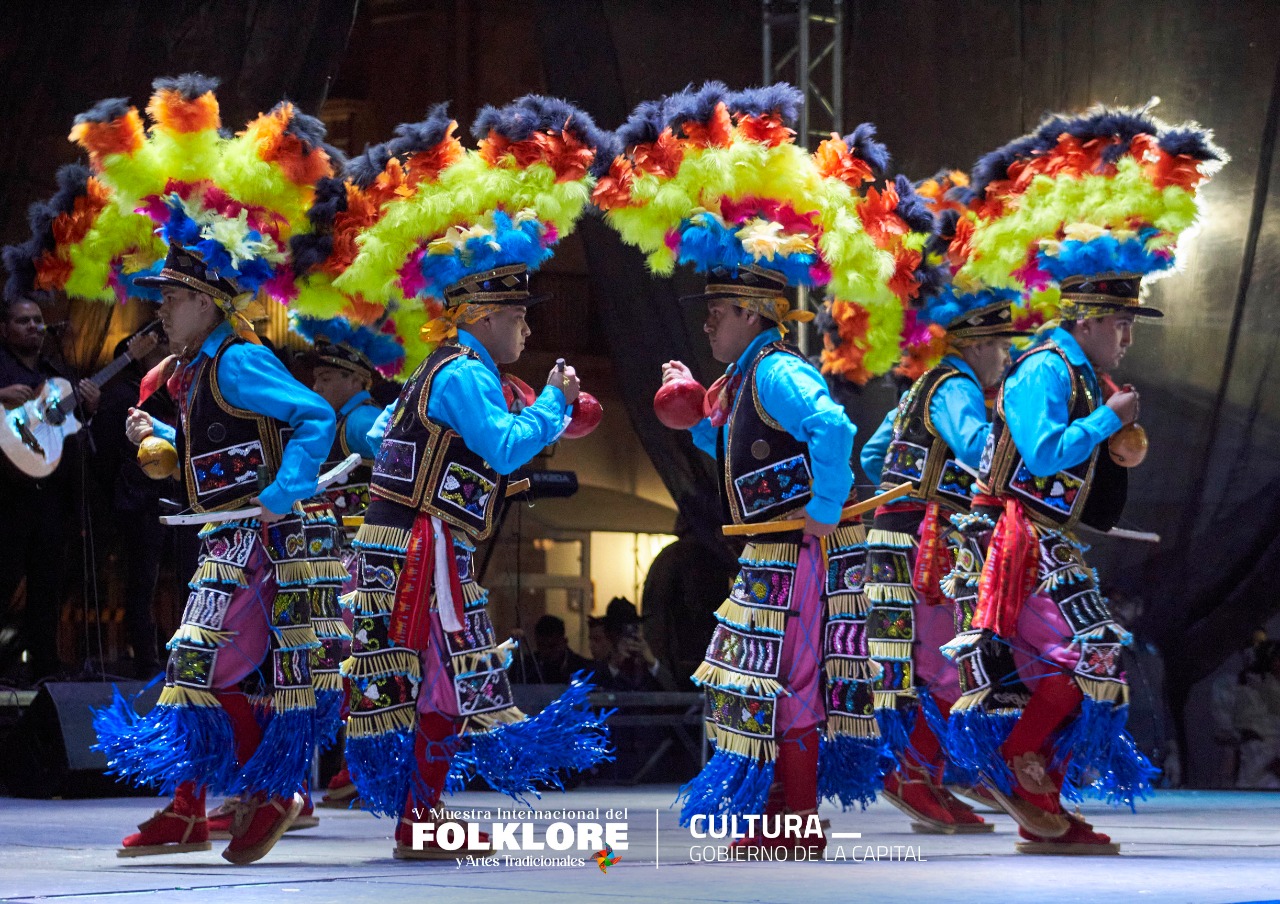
x,y
606,858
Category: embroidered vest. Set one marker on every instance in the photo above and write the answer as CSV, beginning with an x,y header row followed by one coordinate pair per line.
x,y
766,471
229,454
918,455
352,497
1062,500
426,465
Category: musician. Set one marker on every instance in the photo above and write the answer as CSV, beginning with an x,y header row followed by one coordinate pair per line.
x,y
133,497
34,514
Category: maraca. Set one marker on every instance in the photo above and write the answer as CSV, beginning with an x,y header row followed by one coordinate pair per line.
x,y
158,458
1128,445
679,404
585,413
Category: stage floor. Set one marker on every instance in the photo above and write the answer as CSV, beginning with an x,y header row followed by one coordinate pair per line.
x,y
1201,847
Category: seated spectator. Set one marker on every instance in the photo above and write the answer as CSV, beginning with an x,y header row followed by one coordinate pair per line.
x,y
1256,718
552,660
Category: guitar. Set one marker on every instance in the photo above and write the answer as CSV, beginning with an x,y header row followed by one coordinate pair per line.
x,y
32,435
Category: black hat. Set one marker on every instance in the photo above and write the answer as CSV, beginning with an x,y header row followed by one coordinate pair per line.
x,y
341,356
742,286
1103,295
185,268
508,285
990,321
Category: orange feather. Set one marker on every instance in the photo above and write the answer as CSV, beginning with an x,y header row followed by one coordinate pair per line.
x,y
174,113
100,139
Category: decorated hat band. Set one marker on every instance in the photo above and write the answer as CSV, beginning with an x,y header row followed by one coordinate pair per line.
x,y
186,267
991,321
507,285
1104,295
342,357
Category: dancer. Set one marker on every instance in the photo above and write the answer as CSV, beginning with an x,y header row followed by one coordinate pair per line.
x,y
237,713
757,214
1076,215
429,688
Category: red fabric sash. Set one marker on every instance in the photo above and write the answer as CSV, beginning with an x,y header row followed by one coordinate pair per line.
x,y
1009,575
932,558
411,616
719,398
161,373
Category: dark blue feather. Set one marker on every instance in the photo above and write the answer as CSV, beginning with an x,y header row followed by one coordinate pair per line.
x,y
779,98
190,86
862,143
104,111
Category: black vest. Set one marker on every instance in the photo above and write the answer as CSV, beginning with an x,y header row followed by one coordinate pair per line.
x,y
351,497
229,454
918,455
766,471
426,466
1092,491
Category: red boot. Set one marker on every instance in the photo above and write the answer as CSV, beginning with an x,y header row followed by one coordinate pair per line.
x,y
1080,839
915,790
796,773
222,816
341,791
307,818
258,824
1035,802
179,828
431,752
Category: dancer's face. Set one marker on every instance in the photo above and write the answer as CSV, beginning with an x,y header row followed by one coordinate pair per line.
x,y
989,359
188,316
1104,340
503,333
336,385
730,329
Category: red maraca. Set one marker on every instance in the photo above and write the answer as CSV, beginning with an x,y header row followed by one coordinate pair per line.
x,y
679,403
584,414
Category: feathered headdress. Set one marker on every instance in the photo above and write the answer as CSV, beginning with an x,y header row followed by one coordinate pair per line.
x,y
714,178
1078,212
360,348
230,203
82,244
440,234
953,305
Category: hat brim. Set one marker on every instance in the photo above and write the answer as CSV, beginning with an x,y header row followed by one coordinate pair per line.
x,y
1121,308
514,302
159,282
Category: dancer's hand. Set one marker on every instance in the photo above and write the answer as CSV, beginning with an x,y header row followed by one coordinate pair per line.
x,y
267,516
675,370
137,426
1125,404
566,381
814,528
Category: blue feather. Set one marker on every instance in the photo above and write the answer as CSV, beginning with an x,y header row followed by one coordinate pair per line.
x,y
780,98
851,770
107,110
862,142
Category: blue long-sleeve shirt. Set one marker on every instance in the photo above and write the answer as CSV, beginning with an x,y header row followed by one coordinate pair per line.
x,y
252,378
466,395
794,394
360,417
1037,408
876,447
958,412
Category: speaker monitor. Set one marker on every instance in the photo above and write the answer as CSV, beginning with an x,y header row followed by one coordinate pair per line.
x,y
49,752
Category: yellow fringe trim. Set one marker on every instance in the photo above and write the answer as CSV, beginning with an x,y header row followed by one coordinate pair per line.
x,y
326,681
846,536
773,620
331,629
890,539
1103,691
472,592
201,635
292,698
890,649
293,572
213,572
324,570
719,676
178,695
890,593
889,699
383,722
849,603
474,660
370,602
771,554
383,537
852,669
732,742
380,663
296,637
852,726
482,722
